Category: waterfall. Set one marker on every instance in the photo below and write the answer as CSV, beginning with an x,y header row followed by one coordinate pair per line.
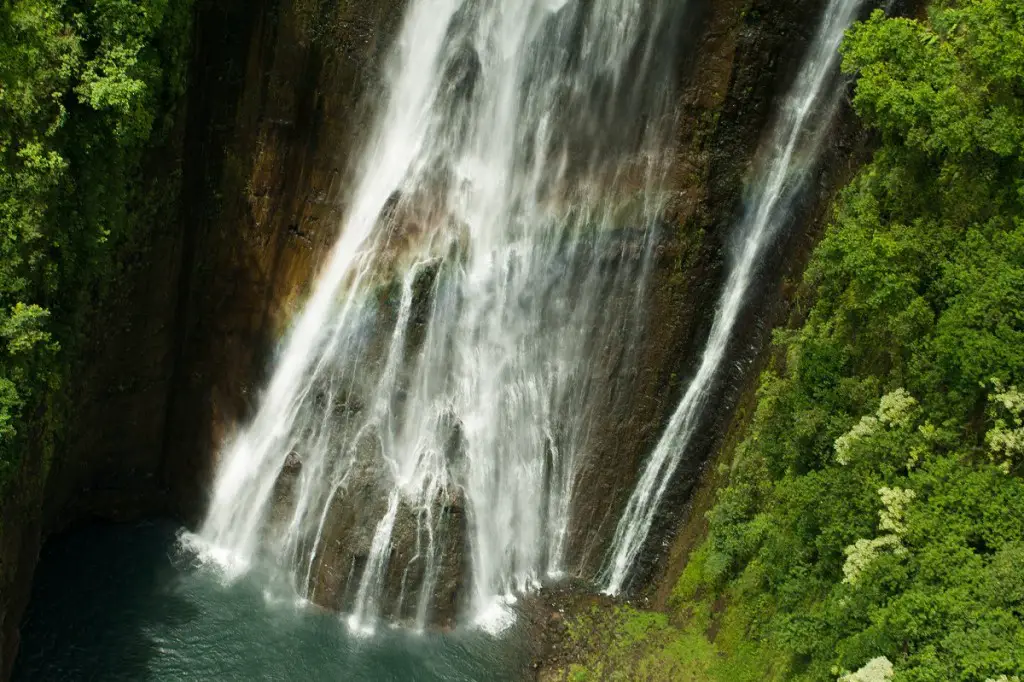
x,y
791,151
432,396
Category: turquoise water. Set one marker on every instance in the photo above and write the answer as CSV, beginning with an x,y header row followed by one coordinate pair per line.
x,y
123,603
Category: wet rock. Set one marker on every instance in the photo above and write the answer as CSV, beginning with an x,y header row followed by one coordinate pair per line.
x,y
427,564
292,464
282,501
422,302
349,526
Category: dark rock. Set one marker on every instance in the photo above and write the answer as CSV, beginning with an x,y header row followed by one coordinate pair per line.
x,y
292,464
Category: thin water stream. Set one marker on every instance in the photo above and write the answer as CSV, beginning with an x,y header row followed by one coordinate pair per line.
x,y
790,154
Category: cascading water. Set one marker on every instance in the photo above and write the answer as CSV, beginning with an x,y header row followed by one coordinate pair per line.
x,y
792,149
408,424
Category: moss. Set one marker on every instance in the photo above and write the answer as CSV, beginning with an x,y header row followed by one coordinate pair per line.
x,y
624,643
706,639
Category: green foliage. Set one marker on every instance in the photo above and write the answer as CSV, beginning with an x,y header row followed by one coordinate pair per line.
x,y
876,505
1005,439
627,644
86,86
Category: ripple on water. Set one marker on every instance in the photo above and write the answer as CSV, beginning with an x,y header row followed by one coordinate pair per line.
x,y
124,603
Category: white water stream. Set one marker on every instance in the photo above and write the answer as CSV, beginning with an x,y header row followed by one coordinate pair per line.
x,y
492,189
791,151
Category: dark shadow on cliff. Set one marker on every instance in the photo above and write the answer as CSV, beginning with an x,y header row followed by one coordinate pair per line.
x,y
102,597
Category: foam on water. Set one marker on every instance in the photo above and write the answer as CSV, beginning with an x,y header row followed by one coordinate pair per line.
x,y
225,562
496,617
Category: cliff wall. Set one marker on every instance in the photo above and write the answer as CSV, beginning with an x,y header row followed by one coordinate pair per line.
x,y
280,93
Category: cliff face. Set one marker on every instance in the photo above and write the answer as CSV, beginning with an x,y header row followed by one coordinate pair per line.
x,y
269,151
747,54
276,110
20,539
97,447
288,118
182,332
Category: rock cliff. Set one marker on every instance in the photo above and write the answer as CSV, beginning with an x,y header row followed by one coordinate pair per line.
x,y
275,111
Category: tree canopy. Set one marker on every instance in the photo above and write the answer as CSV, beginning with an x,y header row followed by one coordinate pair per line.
x,y
877,505
86,86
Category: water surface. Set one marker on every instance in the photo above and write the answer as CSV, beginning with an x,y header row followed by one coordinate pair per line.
x,y
124,603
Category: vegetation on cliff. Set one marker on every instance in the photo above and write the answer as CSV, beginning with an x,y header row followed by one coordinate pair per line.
x,y
86,87
872,526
